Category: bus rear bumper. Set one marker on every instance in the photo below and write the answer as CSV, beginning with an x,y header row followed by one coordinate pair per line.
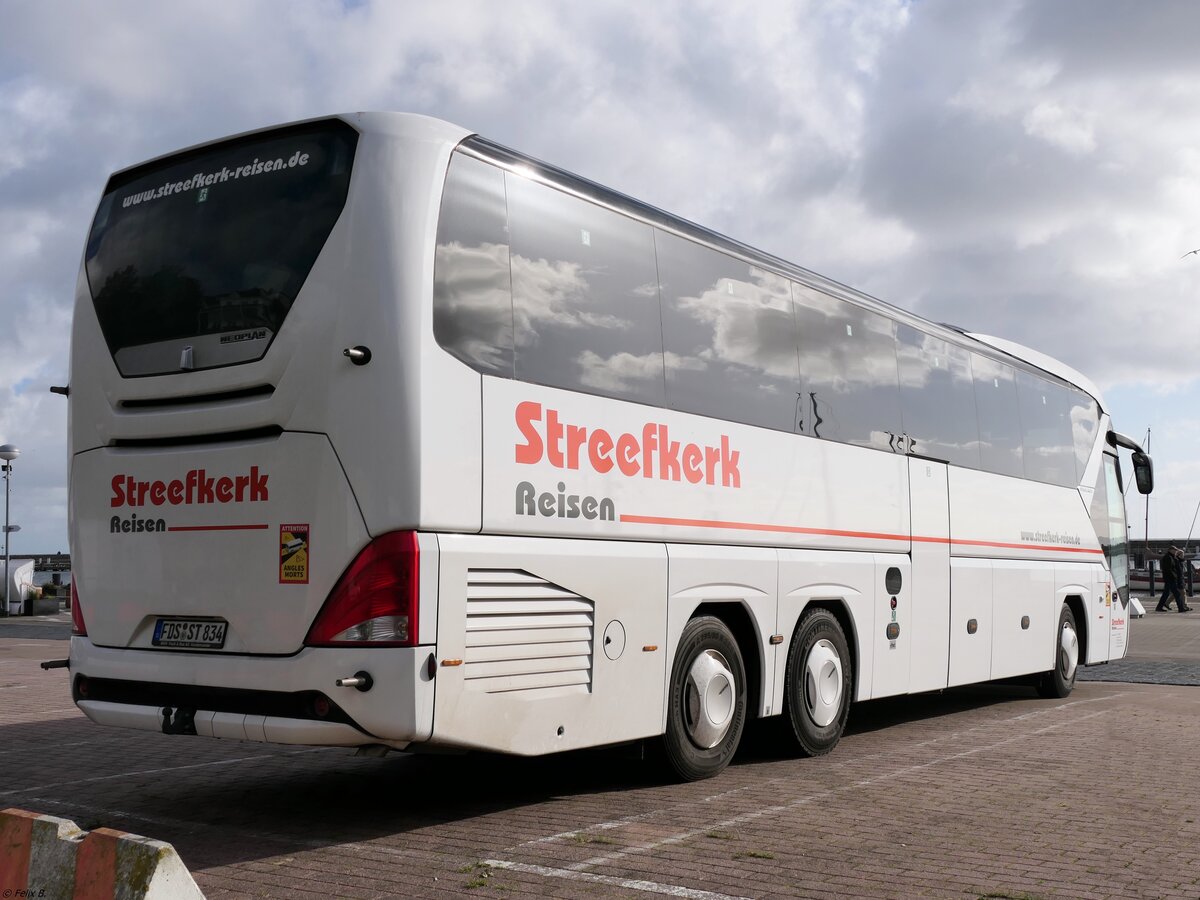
x,y
285,700
235,726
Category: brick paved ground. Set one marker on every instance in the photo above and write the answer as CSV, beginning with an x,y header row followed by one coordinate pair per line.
x,y
1164,649
980,792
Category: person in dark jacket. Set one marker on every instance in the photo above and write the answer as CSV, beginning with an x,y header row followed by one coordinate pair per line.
x,y
1171,572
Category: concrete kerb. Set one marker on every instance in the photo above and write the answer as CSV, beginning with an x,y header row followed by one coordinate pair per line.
x,y
45,856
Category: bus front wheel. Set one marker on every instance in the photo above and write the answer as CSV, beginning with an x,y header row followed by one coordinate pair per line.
x,y
1059,681
819,682
706,709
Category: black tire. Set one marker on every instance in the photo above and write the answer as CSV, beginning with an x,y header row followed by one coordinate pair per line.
x,y
819,682
1058,682
697,745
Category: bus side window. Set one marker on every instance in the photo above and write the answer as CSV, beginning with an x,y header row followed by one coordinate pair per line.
x,y
585,295
1046,430
937,400
1000,443
848,381
472,293
728,336
1085,423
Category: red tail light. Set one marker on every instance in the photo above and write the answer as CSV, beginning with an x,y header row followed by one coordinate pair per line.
x,y
77,625
375,602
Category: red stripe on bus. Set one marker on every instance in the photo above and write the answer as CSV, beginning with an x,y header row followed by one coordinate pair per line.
x,y
829,532
216,527
750,526
1057,549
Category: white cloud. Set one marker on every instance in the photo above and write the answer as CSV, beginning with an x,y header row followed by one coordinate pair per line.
x,y
35,115
1070,130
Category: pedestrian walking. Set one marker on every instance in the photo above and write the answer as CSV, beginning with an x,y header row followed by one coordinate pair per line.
x,y
1172,572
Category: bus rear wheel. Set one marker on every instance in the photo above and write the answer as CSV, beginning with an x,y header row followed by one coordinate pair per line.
x,y
1059,681
819,682
706,709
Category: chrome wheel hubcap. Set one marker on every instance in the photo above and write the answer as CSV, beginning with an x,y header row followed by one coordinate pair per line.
x,y
823,683
1068,651
708,699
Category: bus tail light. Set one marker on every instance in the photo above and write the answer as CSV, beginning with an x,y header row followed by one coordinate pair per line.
x,y
375,601
77,626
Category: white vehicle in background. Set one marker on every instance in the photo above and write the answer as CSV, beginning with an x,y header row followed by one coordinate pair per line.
x,y
18,581
569,471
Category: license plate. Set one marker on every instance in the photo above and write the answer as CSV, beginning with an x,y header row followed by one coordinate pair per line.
x,y
202,634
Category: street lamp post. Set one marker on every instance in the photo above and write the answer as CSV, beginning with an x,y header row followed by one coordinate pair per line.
x,y
7,453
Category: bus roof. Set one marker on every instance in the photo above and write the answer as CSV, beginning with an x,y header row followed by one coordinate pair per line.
x,y
414,124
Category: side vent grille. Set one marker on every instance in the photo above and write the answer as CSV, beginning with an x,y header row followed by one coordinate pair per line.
x,y
526,634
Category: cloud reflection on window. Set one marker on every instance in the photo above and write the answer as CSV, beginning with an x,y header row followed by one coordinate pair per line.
x,y
592,300
849,382
472,305
728,336
625,372
555,295
937,397
582,283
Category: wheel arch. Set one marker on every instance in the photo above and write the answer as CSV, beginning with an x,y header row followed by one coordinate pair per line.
x,y
740,622
1082,626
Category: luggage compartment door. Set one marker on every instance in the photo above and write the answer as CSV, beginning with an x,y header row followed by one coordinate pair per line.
x,y
547,645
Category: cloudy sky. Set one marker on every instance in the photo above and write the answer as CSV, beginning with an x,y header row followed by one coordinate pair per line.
x,y
1030,170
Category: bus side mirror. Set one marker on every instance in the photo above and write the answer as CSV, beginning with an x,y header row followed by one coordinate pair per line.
x,y
1143,472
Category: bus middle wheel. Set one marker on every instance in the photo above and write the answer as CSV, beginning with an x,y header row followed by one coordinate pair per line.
x,y
706,709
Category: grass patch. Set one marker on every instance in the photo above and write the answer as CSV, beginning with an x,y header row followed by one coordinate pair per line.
x,y
753,854
581,837
481,875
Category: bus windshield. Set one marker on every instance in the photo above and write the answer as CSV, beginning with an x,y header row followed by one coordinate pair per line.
x,y
208,249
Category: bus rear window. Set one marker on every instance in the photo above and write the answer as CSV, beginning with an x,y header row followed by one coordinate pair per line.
x,y
194,261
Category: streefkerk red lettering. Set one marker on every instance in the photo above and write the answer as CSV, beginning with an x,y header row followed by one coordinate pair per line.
x,y
650,454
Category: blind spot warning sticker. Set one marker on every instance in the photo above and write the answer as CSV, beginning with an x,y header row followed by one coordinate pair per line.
x,y
293,554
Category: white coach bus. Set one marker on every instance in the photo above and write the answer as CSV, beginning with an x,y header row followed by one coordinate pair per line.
x,y
383,435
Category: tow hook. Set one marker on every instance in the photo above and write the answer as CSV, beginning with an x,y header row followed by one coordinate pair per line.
x,y
179,721
361,681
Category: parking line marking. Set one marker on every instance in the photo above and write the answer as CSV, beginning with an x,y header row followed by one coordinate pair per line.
x,y
889,753
820,795
632,884
802,801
